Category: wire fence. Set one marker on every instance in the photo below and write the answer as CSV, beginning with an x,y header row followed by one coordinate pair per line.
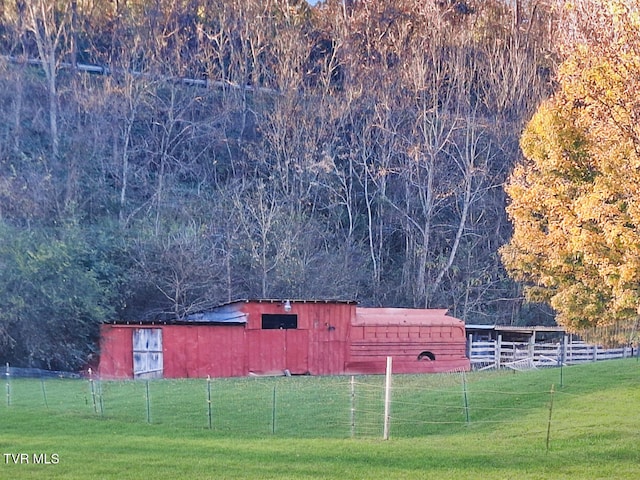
x,y
297,407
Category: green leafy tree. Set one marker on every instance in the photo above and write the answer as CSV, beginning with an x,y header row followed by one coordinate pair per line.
x,y
57,288
574,200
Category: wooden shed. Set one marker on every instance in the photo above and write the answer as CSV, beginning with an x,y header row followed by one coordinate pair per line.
x,y
297,337
419,340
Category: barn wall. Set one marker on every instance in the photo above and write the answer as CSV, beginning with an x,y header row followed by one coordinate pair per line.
x,y
404,335
330,340
318,346
188,350
204,350
224,351
179,345
116,352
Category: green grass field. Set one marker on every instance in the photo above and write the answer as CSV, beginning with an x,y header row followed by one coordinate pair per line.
x,y
109,430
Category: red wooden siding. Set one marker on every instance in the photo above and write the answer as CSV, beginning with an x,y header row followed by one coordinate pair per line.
x,y
405,334
317,346
201,350
116,357
330,338
267,349
331,326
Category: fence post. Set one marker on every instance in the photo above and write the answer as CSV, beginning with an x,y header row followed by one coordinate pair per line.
x,y
563,356
44,393
532,345
273,411
549,421
209,399
387,399
8,386
498,351
466,399
353,406
595,353
93,392
100,397
148,402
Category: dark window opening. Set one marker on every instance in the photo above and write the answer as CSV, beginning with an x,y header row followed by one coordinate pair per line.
x,y
279,321
426,356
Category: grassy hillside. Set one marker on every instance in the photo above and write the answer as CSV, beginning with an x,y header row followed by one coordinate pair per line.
x,y
594,430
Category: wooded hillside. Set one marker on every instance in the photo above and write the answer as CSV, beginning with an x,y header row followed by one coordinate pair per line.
x,y
161,156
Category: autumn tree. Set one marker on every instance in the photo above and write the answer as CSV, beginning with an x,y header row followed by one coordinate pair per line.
x,y
574,199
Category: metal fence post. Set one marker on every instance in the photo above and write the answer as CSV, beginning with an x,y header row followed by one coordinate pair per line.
x,y
8,386
273,411
353,406
209,399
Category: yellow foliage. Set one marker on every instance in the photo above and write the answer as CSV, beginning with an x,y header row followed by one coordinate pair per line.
x,y
575,199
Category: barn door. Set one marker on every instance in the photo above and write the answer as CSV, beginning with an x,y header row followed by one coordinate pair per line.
x,y
147,353
278,346
297,351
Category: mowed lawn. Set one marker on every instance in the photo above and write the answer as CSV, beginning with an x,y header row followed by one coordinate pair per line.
x,y
505,433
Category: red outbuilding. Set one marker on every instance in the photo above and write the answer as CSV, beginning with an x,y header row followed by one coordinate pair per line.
x,y
266,337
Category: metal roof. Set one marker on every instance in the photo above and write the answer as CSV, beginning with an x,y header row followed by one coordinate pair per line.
x,y
227,316
283,300
515,329
402,316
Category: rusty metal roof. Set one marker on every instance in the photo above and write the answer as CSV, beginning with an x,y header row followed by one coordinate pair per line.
x,y
402,316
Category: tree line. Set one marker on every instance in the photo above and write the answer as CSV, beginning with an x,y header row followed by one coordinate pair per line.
x,y
232,149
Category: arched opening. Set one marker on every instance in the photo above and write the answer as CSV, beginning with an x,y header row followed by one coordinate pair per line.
x,y
426,355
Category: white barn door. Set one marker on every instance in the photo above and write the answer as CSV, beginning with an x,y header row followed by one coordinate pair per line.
x,y
147,353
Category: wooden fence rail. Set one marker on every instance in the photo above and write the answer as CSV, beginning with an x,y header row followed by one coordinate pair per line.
x,y
497,353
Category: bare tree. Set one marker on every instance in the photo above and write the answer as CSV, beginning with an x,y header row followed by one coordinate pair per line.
x,y
49,22
183,268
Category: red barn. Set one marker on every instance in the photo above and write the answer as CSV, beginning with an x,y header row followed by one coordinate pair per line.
x,y
266,337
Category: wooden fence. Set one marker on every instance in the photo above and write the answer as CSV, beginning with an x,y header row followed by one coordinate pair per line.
x,y
522,355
